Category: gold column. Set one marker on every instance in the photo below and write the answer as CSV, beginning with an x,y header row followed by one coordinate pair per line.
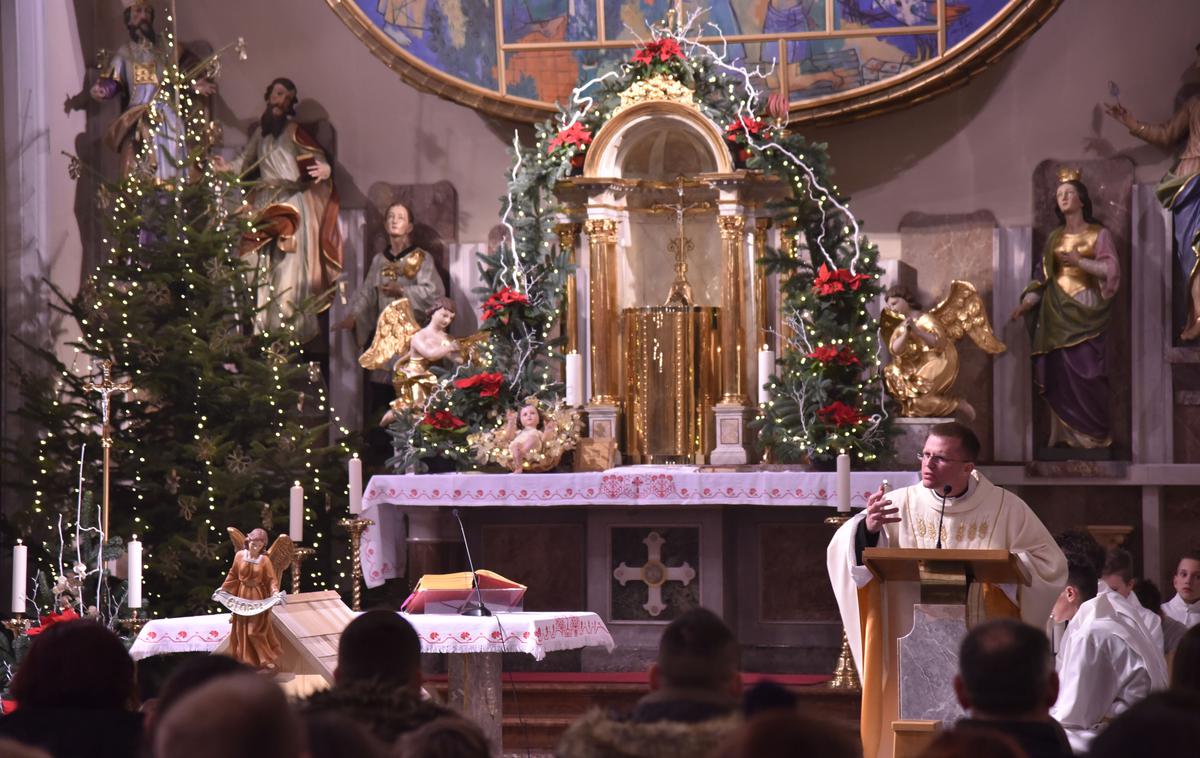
x,y
602,310
733,335
568,239
763,338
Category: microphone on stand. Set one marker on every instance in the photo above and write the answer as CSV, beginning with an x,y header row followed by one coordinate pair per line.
x,y
473,607
942,515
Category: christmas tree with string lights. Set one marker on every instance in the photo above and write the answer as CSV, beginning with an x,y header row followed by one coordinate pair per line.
x,y
221,418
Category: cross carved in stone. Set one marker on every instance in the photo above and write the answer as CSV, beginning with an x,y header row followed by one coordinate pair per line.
x,y
654,573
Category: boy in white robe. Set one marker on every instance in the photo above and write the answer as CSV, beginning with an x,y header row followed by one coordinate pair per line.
x,y
977,515
1117,578
1105,660
1185,606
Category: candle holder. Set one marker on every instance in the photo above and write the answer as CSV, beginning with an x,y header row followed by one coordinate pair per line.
x,y
132,625
837,519
844,675
356,527
298,557
18,624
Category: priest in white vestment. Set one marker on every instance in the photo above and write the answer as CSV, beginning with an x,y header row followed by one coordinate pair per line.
x,y
1185,606
977,515
1106,661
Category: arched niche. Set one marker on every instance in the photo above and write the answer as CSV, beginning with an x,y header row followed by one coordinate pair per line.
x,y
635,143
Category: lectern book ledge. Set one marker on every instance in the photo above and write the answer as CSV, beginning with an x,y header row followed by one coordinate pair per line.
x,y
891,564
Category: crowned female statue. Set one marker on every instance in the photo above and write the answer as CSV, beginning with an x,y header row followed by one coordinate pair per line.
x,y
1068,310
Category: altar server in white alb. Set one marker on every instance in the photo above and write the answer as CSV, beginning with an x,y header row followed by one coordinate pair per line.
x,y
1106,660
1185,606
977,515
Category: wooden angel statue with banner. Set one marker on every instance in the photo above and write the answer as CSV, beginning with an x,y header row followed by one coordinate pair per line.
x,y
924,357
250,591
532,439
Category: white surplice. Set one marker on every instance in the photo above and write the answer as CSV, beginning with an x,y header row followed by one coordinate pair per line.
x,y
1106,662
985,517
1148,618
1187,614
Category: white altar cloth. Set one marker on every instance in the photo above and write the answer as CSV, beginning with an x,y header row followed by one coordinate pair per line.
x,y
625,486
532,633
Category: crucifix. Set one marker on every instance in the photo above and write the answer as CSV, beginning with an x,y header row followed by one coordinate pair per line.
x,y
681,289
106,388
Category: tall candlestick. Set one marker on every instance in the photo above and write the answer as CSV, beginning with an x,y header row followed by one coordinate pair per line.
x,y
296,514
843,483
356,485
574,379
134,550
20,566
766,367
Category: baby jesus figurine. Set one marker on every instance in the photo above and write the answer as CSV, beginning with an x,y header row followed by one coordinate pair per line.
x,y
527,442
531,439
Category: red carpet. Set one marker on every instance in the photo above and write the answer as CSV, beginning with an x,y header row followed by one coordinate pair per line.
x,y
637,677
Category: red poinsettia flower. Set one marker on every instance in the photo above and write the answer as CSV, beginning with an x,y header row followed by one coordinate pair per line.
x,y
497,302
444,420
840,414
660,49
744,127
830,281
829,354
574,134
488,384
66,614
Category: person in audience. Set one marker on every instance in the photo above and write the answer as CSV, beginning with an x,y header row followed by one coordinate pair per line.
x,y
333,735
378,678
782,733
1185,666
1106,661
695,684
972,743
1163,725
768,696
196,670
1185,606
1117,577
14,749
75,694
1149,596
235,716
1006,682
446,737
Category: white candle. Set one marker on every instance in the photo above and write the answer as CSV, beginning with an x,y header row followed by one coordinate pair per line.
x,y
20,566
766,367
296,514
574,379
843,483
356,485
134,549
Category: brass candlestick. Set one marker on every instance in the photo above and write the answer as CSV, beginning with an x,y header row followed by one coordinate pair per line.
x,y
844,675
300,556
134,623
356,527
18,624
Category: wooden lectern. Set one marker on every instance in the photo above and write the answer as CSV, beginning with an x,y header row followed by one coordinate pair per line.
x,y
955,589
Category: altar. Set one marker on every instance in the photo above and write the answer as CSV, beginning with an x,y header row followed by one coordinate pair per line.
x,y
635,545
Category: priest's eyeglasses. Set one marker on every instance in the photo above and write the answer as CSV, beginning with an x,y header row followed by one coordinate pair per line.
x,y
936,460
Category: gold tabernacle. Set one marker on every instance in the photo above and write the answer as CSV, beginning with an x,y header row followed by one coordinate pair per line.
x,y
672,380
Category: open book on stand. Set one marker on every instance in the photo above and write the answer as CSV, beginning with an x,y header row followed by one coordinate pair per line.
x,y
447,593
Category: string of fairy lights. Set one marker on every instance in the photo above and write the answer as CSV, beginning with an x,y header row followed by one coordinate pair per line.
x,y
164,116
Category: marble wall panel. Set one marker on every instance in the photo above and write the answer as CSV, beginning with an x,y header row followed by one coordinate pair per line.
x,y
793,579
943,248
548,558
680,545
1061,508
1110,185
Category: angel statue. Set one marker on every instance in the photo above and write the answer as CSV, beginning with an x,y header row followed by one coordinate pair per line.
x,y
250,590
531,439
925,360
414,350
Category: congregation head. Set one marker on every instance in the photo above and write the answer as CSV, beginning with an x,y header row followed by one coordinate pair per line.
x,y
698,651
1163,725
1006,670
194,672
973,742
783,733
1185,664
236,716
76,664
379,645
445,737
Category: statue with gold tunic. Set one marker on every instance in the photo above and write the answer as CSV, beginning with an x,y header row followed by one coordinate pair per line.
x,y
922,344
1068,310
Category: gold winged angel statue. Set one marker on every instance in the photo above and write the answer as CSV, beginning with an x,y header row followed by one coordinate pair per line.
x,y
251,590
409,351
924,359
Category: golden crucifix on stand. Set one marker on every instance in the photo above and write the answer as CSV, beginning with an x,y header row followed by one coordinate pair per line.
x,y
681,288
106,388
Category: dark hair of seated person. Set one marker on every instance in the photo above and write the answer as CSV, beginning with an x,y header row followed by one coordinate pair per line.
x,y
1185,665
194,672
76,664
379,645
786,733
1162,725
1005,667
698,651
445,737
1148,595
973,743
